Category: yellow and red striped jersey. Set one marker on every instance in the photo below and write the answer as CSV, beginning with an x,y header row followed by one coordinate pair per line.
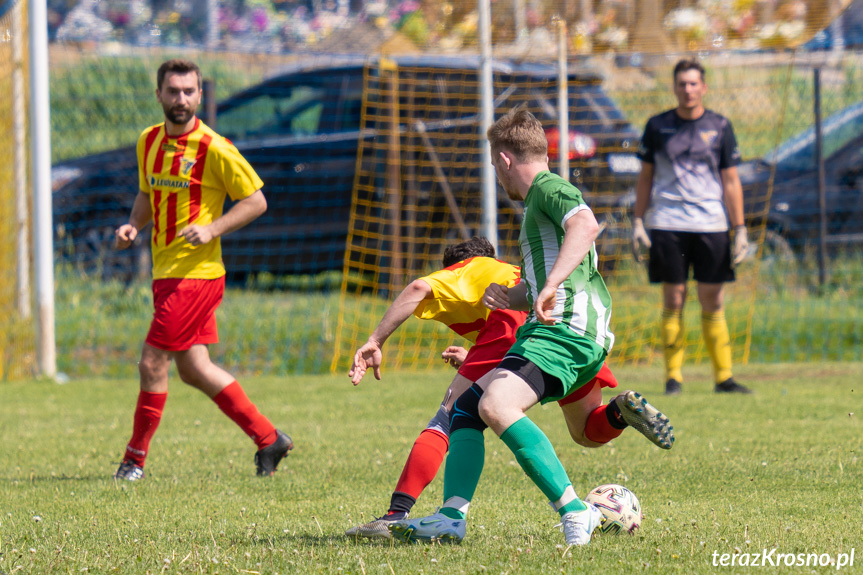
x,y
457,293
187,178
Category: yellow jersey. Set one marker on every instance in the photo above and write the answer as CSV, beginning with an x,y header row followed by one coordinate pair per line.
x,y
187,178
457,293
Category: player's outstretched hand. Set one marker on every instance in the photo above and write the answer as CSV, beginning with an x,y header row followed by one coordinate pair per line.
x,y
639,238
741,246
544,305
496,297
369,355
454,355
197,235
124,236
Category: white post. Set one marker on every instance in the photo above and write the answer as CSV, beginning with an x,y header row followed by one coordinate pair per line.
x,y
489,180
20,162
212,24
562,101
520,19
40,126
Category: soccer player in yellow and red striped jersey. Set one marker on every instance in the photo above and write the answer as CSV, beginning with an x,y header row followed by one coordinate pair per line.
x,y
185,172
452,296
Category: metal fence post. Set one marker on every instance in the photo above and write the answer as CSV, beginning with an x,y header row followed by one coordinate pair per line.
x,y
822,191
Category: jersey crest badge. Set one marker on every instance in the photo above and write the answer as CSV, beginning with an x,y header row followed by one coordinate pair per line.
x,y
708,136
186,165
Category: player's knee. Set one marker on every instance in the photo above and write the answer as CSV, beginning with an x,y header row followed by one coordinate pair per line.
x,y
465,412
149,369
487,409
491,408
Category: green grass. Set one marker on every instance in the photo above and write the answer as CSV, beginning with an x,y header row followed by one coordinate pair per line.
x,y
778,469
100,326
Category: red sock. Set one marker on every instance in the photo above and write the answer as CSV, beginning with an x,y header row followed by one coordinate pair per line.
x,y
423,462
148,414
598,429
237,405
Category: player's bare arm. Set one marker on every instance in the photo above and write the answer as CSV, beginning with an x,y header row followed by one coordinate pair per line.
x,y
141,215
733,195
369,355
580,231
733,192
241,214
498,296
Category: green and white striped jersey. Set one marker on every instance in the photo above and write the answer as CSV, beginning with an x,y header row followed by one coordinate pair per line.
x,y
583,302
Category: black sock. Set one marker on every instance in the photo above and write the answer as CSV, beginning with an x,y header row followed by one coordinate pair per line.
x,y
615,420
401,503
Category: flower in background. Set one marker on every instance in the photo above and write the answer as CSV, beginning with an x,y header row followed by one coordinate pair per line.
x,y
259,19
689,23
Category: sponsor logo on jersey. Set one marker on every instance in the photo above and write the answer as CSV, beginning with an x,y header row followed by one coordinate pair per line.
x,y
169,147
168,183
708,136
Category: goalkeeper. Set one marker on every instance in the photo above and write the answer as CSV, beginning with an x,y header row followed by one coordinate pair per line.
x,y
687,194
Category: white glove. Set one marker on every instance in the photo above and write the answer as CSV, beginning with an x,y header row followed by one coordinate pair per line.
x,y
639,238
741,246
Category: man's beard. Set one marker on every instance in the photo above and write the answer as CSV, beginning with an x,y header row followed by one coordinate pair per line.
x,y
179,117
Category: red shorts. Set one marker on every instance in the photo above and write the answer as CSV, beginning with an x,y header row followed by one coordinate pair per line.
x,y
605,379
185,312
492,343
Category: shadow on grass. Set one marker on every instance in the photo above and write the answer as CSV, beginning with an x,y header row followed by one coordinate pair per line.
x,y
41,479
316,540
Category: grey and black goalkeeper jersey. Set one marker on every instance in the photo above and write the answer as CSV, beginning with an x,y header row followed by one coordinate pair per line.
x,y
687,184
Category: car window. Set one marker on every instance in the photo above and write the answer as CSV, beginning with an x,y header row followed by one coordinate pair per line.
x,y
276,110
798,153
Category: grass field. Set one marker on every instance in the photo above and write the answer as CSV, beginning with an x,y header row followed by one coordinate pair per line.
x,y
777,470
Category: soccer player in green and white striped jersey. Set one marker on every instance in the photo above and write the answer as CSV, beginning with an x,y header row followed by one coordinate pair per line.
x,y
558,350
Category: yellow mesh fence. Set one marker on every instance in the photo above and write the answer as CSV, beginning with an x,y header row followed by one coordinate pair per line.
x,y
16,324
417,186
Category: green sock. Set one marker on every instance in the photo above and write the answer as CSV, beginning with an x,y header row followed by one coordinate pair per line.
x,y
535,454
462,472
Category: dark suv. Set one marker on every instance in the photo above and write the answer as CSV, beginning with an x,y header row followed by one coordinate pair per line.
x,y
301,131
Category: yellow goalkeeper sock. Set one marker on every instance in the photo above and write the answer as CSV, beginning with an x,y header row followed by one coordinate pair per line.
x,y
672,342
718,343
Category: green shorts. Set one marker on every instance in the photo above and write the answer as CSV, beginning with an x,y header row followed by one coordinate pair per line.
x,y
559,351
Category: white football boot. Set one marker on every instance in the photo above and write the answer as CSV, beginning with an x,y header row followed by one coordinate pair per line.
x,y
578,526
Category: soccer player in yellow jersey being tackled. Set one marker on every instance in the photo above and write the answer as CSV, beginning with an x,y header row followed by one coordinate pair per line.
x,y
453,296
558,351
185,171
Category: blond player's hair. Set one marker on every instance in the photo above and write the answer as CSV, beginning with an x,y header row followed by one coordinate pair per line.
x,y
520,133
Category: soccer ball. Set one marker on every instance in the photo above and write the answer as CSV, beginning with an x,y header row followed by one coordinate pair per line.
x,y
621,511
